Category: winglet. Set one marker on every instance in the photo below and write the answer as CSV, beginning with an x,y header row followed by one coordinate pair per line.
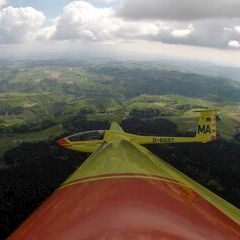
x,y
116,127
206,130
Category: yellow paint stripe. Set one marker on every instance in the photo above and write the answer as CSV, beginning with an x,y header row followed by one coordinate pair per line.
x,y
134,176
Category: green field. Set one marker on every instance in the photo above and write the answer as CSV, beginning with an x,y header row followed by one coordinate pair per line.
x,y
36,101
40,135
6,143
177,109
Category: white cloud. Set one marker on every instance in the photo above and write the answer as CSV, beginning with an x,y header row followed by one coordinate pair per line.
x,y
81,20
182,33
44,34
234,44
232,29
19,24
237,29
128,30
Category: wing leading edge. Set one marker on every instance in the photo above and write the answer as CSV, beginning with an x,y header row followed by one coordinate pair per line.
x,y
124,191
116,127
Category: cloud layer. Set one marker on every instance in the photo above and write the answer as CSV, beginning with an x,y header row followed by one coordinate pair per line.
x,y
179,9
81,20
201,23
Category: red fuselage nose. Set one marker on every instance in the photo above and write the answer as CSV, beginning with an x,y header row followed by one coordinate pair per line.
x,y
62,142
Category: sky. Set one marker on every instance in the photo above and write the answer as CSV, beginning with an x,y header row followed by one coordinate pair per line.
x,y
187,29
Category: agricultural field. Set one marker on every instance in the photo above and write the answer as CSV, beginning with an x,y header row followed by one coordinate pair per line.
x,y
35,99
14,140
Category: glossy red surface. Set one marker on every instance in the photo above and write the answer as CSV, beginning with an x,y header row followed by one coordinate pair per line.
x,y
62,142
127,208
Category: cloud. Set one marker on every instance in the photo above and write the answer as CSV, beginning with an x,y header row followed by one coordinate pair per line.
x,y
234,44
129,30
85,27
19,25
205,33
81,20
44,34
179,9
237,29
2,2
182,33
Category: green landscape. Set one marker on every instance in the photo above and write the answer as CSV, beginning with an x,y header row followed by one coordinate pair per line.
x,y
36,102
